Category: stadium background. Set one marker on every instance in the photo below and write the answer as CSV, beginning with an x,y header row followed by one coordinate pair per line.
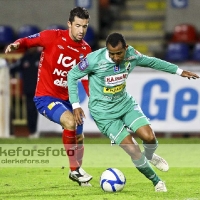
x,y
148,25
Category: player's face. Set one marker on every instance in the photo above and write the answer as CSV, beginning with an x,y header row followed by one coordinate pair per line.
x,y
117,53
78,28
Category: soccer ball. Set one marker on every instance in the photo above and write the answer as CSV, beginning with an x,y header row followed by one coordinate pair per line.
x,y
112,180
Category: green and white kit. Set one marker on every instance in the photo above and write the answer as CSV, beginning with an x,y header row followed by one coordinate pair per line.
x,y
112,108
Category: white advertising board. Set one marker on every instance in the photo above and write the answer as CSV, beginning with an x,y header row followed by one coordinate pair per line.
x,y
170,102
4,100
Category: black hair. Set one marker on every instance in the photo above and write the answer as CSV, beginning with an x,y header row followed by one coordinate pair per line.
x,y
114,38
78,12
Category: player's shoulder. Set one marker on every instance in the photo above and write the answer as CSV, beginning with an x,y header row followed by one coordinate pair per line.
x,y
92,59
97,56
55,32
85,44
98,53
132,53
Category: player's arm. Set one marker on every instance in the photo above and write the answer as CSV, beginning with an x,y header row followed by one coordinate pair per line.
x,y
42,39
84,80
79,71
161,65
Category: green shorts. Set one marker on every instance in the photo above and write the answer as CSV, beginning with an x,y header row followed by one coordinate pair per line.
x,y
116,128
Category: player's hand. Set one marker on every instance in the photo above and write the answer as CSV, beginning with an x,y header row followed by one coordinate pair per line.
x,y
12,47
78,116
189,75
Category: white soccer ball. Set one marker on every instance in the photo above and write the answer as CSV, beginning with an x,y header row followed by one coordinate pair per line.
x,y
112,180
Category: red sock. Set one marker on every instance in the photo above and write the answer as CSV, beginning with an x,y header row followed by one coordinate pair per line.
x,y
80,152
69,141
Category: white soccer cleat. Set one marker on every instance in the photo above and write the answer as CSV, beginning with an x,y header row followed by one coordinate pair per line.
x,y
80,176
86,184
159,163
160,187
34,135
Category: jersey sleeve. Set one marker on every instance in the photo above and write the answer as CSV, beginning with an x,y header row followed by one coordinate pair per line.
x,y
80,70
42,39
155,63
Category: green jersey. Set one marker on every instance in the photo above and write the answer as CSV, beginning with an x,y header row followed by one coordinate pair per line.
x,y
107,81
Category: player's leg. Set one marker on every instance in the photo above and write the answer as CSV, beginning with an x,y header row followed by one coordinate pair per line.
x,y
32,115
80,151
60,112
139,124
80,147
123,138
79,131
70,142
150,144
69,136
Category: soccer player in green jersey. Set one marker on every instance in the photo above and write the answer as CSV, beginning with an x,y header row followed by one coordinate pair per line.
x,y
113,109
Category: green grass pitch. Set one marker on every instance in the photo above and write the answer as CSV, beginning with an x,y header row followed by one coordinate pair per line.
x,y
34,182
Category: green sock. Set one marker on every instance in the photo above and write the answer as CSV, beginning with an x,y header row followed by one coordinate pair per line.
x,y
144,167
149,149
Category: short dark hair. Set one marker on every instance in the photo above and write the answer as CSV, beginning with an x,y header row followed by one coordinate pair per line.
x,y
114,38
78,12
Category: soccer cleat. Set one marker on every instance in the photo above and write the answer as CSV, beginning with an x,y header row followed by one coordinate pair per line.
x,y
159,163
160,187
86,184
34,135
112,142
80,176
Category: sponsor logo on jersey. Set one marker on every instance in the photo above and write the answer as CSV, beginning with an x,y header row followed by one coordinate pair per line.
x,y
116,79
51,105
83,64
64,39
60,47
138,53
60,72
84,48
63,60
34,35
61,82
116,68
72,48
130,58
102,63
115,89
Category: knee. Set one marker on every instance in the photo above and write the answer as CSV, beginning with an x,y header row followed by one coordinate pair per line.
x,y
150,138
69,124
146,134
67,121
80,138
